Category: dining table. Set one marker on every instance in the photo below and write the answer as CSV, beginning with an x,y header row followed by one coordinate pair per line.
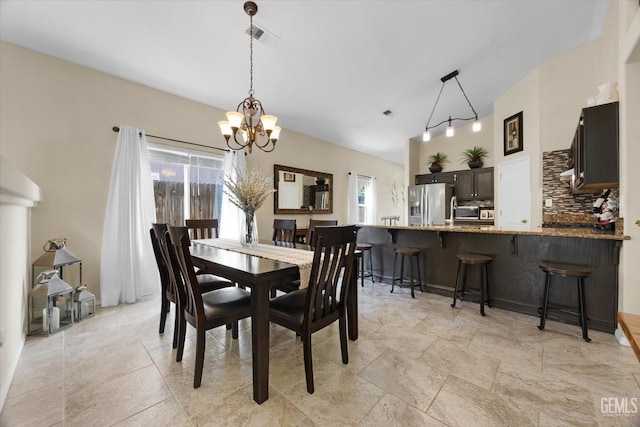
x,y
261,270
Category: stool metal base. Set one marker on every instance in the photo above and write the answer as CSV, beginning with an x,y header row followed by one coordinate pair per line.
x,y
461,279
401,278
564,271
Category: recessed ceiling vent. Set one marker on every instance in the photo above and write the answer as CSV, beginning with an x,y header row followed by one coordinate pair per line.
x,y
389,113
257,32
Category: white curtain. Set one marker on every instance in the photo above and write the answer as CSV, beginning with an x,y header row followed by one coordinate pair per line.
x,y
371,197
231,217
352,205
127,265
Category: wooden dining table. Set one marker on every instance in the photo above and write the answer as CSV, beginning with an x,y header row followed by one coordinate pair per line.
x,y
260,275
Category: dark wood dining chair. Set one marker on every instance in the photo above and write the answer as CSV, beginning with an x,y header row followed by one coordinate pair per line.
x,y
202,311
206,282
284,230
308,310
202,228
313,223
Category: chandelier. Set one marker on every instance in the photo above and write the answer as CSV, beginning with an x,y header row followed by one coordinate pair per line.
x,y
426,136
249,119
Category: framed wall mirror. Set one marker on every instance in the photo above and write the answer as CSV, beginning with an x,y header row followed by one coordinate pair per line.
x,y
302,191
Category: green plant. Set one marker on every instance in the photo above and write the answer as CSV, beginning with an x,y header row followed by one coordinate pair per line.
x,y
475,154
437,159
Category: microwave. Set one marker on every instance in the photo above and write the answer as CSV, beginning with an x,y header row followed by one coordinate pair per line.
x,y
467,212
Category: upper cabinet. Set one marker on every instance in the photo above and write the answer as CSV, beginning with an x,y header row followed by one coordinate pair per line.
x,y
474,184
432,178
595,148
471,184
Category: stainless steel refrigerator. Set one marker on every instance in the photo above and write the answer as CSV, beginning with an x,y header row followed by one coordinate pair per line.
x,y
429,204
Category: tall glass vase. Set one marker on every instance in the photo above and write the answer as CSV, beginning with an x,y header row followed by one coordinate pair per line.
x,y
249,232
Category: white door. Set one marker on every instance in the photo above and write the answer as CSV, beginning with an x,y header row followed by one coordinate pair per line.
x,y
514,210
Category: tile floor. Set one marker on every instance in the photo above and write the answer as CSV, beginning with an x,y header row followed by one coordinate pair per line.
x,y
417,363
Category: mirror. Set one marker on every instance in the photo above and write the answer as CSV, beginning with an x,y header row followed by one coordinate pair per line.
x,y
302,191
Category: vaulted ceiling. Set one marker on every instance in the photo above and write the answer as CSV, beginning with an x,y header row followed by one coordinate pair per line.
x,y
328,69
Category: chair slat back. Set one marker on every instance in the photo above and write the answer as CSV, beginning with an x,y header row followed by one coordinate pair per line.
x,y
313,223
331,272
184,273
284,230
202,228
157,232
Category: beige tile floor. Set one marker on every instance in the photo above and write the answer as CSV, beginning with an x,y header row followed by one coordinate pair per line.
x,y
417,363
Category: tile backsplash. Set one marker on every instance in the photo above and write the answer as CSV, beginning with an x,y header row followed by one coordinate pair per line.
x,y
566,207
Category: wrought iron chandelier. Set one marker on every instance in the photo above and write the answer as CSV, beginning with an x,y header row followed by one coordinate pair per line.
x,y
249,119
477,126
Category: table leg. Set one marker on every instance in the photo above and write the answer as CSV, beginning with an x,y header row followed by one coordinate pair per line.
x,y
260,341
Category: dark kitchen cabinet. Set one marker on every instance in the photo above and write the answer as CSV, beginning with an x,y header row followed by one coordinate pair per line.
x,y
431,178
474,184
595,148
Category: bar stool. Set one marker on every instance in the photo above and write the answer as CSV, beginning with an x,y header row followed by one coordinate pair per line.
x,y
473,259
565,270
414,254
365,248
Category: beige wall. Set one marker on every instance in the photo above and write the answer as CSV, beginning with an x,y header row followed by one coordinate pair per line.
x,y
56,120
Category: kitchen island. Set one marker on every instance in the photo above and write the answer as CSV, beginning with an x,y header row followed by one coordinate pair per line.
x,y
516,282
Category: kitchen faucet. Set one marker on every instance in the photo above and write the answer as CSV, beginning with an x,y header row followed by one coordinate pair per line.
x,y
453,205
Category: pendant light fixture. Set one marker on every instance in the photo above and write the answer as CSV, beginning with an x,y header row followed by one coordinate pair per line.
x,y
249,119
477,126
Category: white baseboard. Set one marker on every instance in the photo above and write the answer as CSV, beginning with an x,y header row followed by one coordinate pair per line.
x,y
6,382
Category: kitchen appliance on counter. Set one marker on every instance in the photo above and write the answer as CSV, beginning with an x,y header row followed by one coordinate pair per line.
x,y
467,212
487,214
429,203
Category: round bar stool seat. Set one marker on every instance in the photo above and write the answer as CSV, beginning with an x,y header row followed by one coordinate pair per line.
x,y
365,248
566,270
414,254
461,278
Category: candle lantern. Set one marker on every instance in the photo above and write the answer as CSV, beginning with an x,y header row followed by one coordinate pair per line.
x,y
85,303
50,304
68,268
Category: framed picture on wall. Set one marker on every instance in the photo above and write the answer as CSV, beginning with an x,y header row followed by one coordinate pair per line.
x,y
289,177
513,134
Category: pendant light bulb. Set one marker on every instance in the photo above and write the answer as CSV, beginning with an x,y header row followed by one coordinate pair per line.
x,y
426,136
477,126
450,130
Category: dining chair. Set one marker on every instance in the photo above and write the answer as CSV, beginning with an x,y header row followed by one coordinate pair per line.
x,y
206,282
284,230
308,310
202,228
203,311
313,223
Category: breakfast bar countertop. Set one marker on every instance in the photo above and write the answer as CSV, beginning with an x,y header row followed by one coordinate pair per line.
x,y
580,233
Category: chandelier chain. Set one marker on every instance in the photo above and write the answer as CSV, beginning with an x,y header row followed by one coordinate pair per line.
x,y
251,56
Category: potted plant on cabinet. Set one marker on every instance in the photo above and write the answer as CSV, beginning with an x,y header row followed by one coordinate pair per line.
x,y
437,161
474,156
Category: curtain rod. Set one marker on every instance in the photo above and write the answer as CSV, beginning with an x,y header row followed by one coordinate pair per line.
x,y
117,129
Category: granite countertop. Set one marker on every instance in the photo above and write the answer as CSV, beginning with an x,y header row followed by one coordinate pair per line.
x,y
581,233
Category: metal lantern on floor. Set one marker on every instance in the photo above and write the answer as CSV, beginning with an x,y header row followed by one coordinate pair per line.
x,y
68,268
85,303
50,304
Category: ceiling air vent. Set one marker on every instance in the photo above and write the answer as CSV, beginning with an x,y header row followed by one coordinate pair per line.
x,y
389,113
257,32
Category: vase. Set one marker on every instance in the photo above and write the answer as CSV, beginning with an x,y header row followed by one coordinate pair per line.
x,y
475,164
248,233
435,169
608,92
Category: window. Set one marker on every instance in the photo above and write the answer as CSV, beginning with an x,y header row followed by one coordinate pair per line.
x,y
186,184
365,199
